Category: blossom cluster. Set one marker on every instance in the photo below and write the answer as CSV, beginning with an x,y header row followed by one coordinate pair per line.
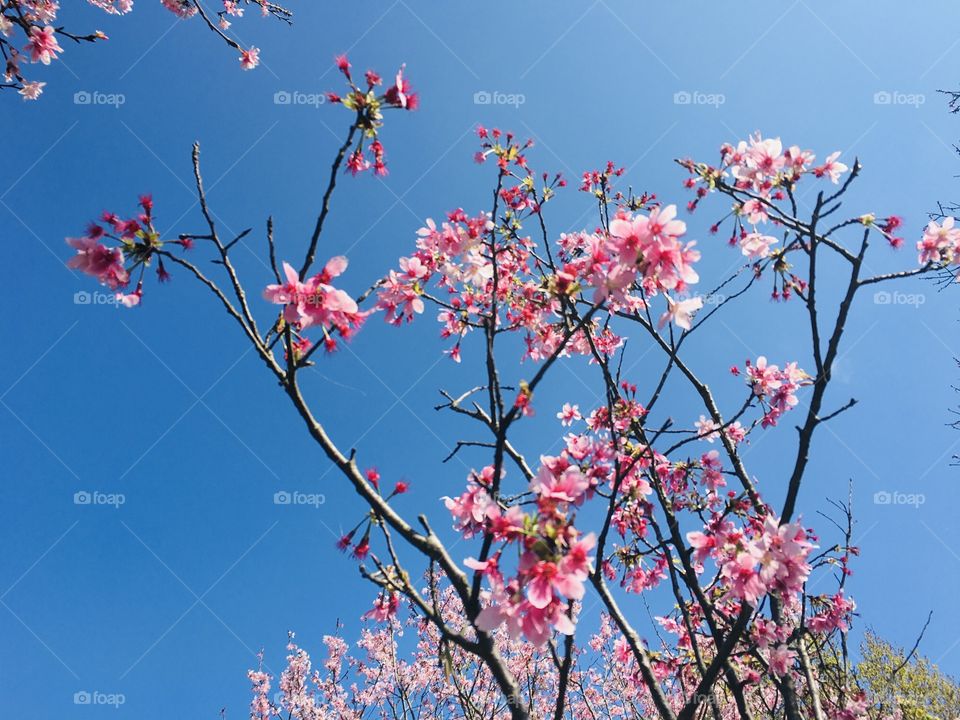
x,y
776,388
137,245
363,99
553,557
365,679
484,272
314,302
767,558
487,270
36,21
758,173
940,244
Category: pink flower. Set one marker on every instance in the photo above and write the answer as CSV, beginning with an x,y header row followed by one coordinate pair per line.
x,y
703,545
471,510
413,267
180,8
782,551
707,429
400,93
756,246
543,577
755,211
777,387
743,579
357,163
834,617
103,263
249,59
680,313
345,541
315,301
568,414
766,155
648,245
132,299
287,292
384,607
362,549
765,378
780,659
399,296
231,8
940,242
568,485
736,432
43,44
523,619
31,90
831,168
578,561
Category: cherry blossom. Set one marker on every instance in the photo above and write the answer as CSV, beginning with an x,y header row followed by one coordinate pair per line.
x,y
775,387
43,44
756,246
638,498
315,302
680,312
250,58
940,242
368,106
568,414
39,24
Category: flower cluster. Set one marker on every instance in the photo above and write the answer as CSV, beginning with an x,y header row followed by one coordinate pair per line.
x,y
452,255
361,547
488,271
707,429
138,244
834,614
641,256
552,556
757,173
767,558
940,244
316,303
776,388
36,21
364,100
762,165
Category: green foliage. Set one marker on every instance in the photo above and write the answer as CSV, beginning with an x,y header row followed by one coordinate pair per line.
x,y
917,687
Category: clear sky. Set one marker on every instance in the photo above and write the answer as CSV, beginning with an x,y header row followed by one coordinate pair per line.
x,y
166,598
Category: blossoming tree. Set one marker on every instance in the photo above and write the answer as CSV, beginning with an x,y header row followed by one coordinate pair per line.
x,y
641,500
29,33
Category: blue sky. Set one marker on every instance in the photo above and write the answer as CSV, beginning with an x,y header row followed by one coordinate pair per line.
x,y
166,598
